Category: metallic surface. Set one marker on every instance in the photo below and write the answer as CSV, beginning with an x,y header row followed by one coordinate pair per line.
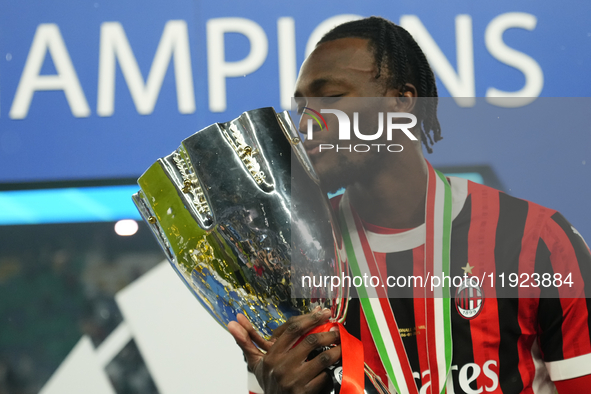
x,y
238,212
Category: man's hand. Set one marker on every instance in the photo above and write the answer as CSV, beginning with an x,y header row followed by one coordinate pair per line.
x,y
284,369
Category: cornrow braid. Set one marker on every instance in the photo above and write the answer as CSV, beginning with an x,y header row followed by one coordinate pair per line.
x,y
400,60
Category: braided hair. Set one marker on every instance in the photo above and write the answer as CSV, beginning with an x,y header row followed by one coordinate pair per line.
x,y
400,60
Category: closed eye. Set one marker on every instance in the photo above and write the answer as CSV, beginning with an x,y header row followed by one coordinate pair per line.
x,y
331,99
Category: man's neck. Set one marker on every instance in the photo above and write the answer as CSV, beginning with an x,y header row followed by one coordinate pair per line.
x,y
394,197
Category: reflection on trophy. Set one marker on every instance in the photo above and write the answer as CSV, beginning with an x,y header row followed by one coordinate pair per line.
x,y
238,212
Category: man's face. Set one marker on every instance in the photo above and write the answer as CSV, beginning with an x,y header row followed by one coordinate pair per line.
x,y
338,69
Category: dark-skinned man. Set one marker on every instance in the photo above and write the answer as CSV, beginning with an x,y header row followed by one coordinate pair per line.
x,y
504,345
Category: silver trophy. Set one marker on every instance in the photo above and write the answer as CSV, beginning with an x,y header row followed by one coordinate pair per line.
x,y
238,212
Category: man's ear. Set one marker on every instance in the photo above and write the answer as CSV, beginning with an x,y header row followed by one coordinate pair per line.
x,y
402,100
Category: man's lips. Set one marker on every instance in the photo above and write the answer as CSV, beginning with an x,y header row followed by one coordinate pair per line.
x,y
312,148
314,151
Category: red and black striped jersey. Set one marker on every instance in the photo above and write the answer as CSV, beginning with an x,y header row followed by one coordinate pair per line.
x,y
515,342
518,342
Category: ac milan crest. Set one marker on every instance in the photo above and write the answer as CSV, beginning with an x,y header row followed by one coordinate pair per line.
x,y
469,298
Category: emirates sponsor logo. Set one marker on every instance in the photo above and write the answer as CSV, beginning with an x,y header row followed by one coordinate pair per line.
x,y
471,378
469,299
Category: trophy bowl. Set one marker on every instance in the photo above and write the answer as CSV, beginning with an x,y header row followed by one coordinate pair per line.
x,y
239,213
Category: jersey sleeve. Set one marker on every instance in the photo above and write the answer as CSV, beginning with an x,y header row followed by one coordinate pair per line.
x,y
564,313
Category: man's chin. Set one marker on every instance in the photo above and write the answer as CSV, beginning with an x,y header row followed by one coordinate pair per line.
x,y
331,183
345,173
331,174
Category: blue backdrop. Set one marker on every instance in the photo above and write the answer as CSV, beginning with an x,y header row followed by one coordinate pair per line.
x,y
73,105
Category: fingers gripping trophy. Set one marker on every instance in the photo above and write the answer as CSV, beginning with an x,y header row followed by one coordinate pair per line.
x,y
239,213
